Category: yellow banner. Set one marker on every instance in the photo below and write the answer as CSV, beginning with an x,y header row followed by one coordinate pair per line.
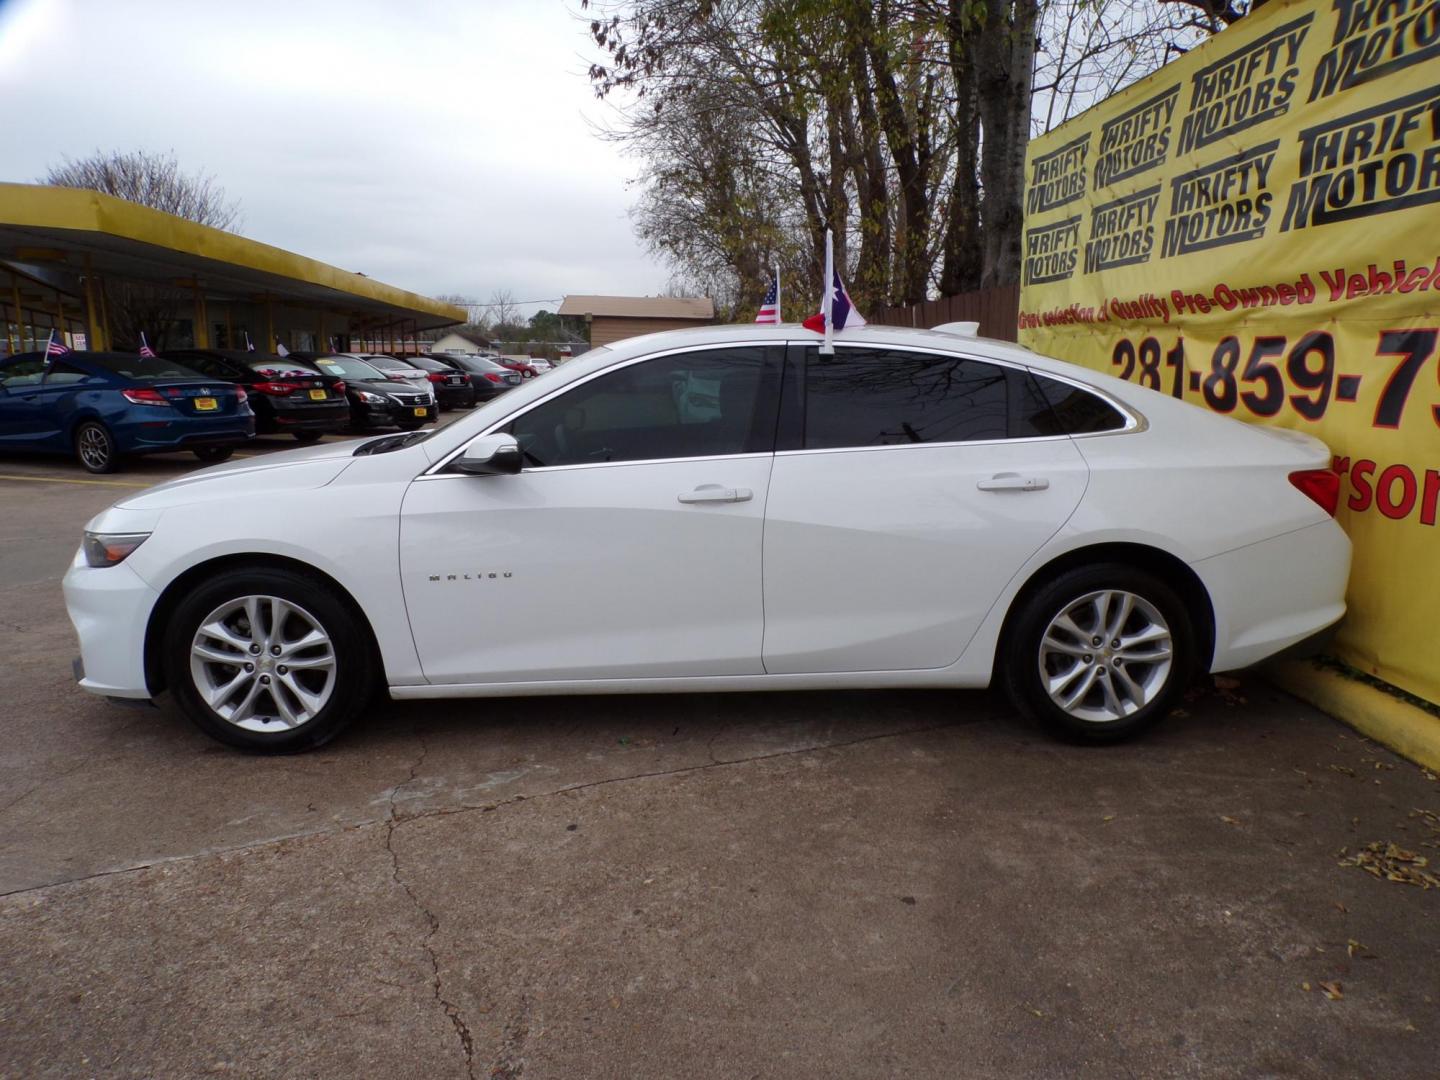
x,y
1255,228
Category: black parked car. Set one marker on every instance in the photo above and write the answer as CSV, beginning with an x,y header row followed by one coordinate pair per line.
x,y
489,378
376,401
452,387
287,396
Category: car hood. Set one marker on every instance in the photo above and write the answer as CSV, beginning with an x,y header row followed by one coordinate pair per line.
x,y
305,467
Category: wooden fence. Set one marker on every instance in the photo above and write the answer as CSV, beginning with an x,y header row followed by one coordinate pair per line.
x,y
997,311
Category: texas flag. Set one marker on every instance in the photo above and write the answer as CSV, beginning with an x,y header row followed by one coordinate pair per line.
x,y
837,310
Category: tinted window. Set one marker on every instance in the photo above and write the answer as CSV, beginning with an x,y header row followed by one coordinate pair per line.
x,y
63,374
209,365
1077,411
145,368
695,404
22,373
879,397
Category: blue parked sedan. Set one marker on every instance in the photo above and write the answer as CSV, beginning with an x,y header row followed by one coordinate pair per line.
x,y
102,405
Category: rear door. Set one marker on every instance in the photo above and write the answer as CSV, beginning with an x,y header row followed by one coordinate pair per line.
x,y
908,489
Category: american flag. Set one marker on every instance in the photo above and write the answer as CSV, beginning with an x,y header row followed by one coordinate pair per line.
x,y
770,306
145,349
54,347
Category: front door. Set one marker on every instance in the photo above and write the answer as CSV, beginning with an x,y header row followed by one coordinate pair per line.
x,y
630,545
916,487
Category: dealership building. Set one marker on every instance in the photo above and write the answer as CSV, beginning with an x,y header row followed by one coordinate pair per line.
x,y
98,270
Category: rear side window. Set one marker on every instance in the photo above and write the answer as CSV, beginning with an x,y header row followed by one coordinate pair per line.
x,y
26,372
1079,412
880,397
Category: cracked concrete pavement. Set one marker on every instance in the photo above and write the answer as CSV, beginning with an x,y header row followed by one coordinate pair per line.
x,y
834,884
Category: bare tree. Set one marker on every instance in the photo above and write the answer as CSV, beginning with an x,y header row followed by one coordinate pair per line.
x,y
153,180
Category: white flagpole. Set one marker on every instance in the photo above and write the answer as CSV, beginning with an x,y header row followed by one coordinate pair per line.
x,y
50,337
827,347
778,317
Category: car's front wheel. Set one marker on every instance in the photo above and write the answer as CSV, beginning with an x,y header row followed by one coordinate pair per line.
x,y
1099,653
307,437
267,660
95,447
213,455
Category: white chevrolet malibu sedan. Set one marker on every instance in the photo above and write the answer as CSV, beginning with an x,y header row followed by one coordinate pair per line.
x,y
728,509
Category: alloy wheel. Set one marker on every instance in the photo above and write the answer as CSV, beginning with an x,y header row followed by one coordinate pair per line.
x,y
263,663
1106,655
94,447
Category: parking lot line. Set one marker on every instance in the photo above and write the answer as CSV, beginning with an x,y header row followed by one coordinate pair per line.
x,y
72,480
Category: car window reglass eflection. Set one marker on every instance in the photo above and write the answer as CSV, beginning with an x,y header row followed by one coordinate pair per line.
x,y
351,369
63,374
27,372
699,404
1080,412
143,368
882,397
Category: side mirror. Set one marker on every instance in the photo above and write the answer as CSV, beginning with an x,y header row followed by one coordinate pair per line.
x,y
490,455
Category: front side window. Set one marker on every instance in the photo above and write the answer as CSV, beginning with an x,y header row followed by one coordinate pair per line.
x,y
142,368
887,397
22,373
716,402
63,374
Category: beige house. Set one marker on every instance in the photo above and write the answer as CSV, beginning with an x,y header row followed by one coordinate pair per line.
x,y
614,318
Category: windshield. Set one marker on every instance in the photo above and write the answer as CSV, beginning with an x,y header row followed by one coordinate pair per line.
x,y
147,368
478,363
389,363
351,369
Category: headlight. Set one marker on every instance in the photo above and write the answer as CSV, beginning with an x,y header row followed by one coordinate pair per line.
x,y
373,399
110,549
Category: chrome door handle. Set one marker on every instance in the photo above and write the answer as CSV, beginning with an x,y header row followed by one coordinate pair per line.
x,y
1013,482
711,493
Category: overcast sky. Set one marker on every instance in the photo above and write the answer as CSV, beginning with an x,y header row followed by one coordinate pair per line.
x,y
442,146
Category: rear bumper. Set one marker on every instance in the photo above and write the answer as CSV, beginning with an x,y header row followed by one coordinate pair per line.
x,y
109,608
1277,594
455,396
310,418
157,436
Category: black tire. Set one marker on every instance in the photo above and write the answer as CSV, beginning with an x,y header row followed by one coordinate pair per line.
x,y
1021,658
308,437
213,455
353,678
95,447
410,425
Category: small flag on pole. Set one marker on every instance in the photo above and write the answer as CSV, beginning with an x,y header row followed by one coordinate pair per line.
x,y
249,345
837,310
281,350
770,306
145,349
54,347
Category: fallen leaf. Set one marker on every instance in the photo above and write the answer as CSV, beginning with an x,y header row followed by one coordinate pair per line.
x,y
1305,987
1228,820
1225,682
1341,908
1333,990
1108,818
1393,863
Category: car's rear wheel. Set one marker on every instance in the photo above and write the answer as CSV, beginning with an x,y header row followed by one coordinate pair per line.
x,y
1099,653
308,437
95,447
267,660
213,454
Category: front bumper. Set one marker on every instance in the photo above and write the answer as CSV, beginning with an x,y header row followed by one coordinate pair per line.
x,y
370,415
110,609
